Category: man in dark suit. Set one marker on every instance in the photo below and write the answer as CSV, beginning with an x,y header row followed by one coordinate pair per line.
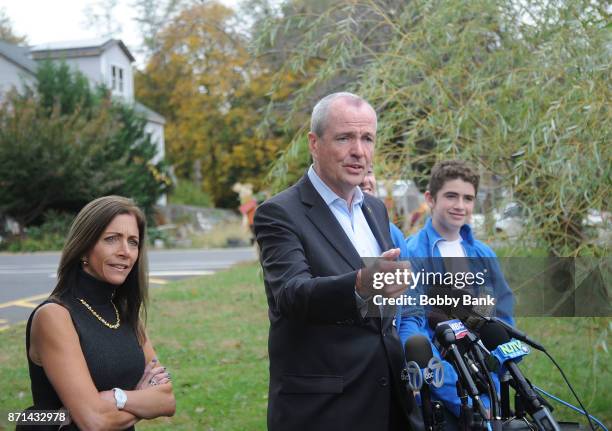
x,y
333,365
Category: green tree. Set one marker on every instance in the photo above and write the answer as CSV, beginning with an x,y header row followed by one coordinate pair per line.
x,y
84,146
58,86
518,87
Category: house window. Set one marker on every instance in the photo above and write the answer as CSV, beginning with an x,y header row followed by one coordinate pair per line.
x,y
117,79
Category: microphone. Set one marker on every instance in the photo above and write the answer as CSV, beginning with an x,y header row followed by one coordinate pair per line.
x,y
422,365
472,318
445,335
501,347
506,353
472,349
451,302
515,333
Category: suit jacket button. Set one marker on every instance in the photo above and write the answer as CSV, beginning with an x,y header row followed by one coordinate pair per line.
x,y
383,381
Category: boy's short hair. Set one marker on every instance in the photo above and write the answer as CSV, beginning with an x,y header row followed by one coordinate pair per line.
x,y
449,170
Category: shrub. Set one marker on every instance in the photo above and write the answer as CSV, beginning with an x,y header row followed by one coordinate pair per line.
x,y
50,235
60,152
187,193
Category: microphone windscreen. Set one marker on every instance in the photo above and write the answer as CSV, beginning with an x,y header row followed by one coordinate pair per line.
x,y
493,334
434,317
443,306
418,349
441,292
445,335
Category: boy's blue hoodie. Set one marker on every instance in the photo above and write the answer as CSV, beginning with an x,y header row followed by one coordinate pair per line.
x,y
423,253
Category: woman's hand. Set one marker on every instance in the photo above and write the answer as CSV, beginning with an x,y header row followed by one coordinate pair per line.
x,y
153,375
152,397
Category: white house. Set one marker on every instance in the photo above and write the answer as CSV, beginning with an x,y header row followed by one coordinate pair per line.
x,y
102,61
16,67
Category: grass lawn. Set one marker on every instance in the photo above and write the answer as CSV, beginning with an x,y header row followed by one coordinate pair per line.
x,y
211,333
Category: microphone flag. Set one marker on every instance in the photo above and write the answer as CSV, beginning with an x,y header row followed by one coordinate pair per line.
x,y
513,350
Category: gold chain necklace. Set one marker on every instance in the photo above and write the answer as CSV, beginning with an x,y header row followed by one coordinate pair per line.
x,y
100,318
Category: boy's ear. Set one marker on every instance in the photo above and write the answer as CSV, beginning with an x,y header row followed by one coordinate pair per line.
x,y
429,199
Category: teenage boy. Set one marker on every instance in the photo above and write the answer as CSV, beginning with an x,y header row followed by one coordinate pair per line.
x,y
439,246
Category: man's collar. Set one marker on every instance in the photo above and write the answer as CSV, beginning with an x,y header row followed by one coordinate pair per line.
x,y
328,195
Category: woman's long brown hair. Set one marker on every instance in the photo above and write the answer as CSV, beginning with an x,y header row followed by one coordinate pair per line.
x,y
131,297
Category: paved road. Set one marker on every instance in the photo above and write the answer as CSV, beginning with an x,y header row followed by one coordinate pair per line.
x,y
26,279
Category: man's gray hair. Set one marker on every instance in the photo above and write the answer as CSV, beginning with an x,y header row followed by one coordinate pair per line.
x,y
318,119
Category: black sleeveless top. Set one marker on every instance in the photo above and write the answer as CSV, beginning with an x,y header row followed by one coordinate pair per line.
x,y
113,356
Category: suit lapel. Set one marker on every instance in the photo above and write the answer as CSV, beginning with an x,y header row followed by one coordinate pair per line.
x,y
323,219
369,216
385,244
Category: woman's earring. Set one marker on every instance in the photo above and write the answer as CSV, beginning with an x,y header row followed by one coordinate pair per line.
x,y
84,261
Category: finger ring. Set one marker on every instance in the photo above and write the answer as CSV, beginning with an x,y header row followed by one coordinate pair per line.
x,y
152,382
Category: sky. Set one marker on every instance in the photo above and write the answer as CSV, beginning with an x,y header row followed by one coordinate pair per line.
x,y
64,20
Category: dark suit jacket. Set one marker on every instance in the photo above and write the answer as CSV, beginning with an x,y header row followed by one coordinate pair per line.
x,y
330,369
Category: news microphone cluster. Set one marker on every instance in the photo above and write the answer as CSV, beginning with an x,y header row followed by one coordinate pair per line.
x,y
457,308
508,347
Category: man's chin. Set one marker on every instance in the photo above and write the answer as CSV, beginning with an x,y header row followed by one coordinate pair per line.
x,y
353,180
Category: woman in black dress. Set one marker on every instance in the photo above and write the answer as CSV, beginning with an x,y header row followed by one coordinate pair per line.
x,y
86,345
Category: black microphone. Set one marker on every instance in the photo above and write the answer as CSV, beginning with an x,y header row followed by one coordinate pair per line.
x,y
515,333
418,349
454,306
505,350
446,337
473,318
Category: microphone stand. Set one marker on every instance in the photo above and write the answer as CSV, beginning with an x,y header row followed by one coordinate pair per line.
x,y
439,422
470,418
539,412
495,417
504,383
465,416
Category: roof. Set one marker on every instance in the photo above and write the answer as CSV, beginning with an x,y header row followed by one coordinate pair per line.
x,y
19,55
78,48
148,113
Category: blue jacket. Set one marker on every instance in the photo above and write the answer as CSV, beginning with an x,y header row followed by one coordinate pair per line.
x,y
421,247
398,239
